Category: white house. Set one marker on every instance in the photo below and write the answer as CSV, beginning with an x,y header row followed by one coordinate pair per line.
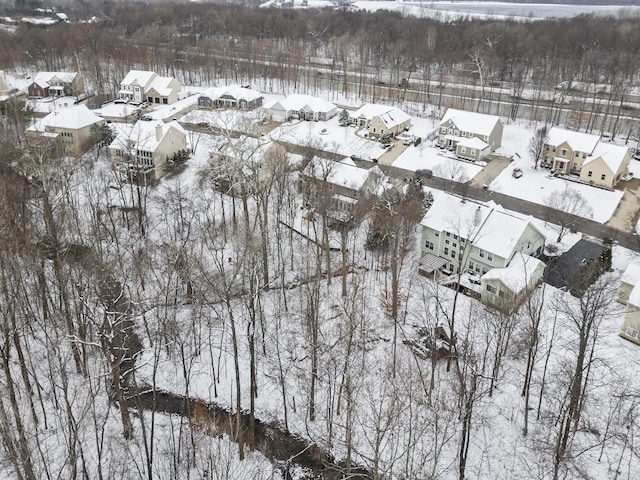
x,y
505,287
70,128
140,153
461,235
142,86
472,135
303,107
380,119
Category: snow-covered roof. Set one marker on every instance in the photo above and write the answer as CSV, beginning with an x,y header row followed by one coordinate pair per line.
x,y
73,118
634,296
578,141
344,173
631,274
473,142
138,77
478,123
45,77
391,116
161,85
299,102
488,226
520,273
234,91
144,135
613,155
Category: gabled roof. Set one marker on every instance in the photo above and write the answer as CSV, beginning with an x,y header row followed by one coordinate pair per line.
x,y
235,91
138,77
162,85
578,141
391,116
299,102
343,173
143,135
73,118
613,155
488,226
478,123
45,77
473,142
245,149
518,274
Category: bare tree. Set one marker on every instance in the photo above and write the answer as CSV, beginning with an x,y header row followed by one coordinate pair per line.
x,y
537,143
565,208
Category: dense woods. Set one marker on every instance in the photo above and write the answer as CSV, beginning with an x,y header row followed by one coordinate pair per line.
x,y
113,293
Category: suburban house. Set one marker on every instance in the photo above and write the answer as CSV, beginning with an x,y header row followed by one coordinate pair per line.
x,y
56,84
461,235
380,119
506,287
140,152
230,97
239,161
303,107
142,86
69,128
629,295
337,187
471,135
583,155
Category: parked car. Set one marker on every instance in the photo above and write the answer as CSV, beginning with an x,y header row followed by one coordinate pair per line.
x,y
517,173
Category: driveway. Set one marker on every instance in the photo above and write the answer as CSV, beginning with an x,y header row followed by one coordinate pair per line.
x,y
561,270
495,165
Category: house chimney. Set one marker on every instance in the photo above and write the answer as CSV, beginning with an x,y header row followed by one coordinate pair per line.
x,y
158,132
477,216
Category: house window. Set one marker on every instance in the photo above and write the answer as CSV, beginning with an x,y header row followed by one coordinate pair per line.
x,y
491,289
455,237
374,130
490,256
446,241
590,173
443,130
453,254
447,234
471,265
429,245
577,154
502,294
165,101
603,176
564,152
437,234
632,332
484,270
463,149
584,155
477,267
473,151
446,251
574,166
482,253
451,131
454,245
